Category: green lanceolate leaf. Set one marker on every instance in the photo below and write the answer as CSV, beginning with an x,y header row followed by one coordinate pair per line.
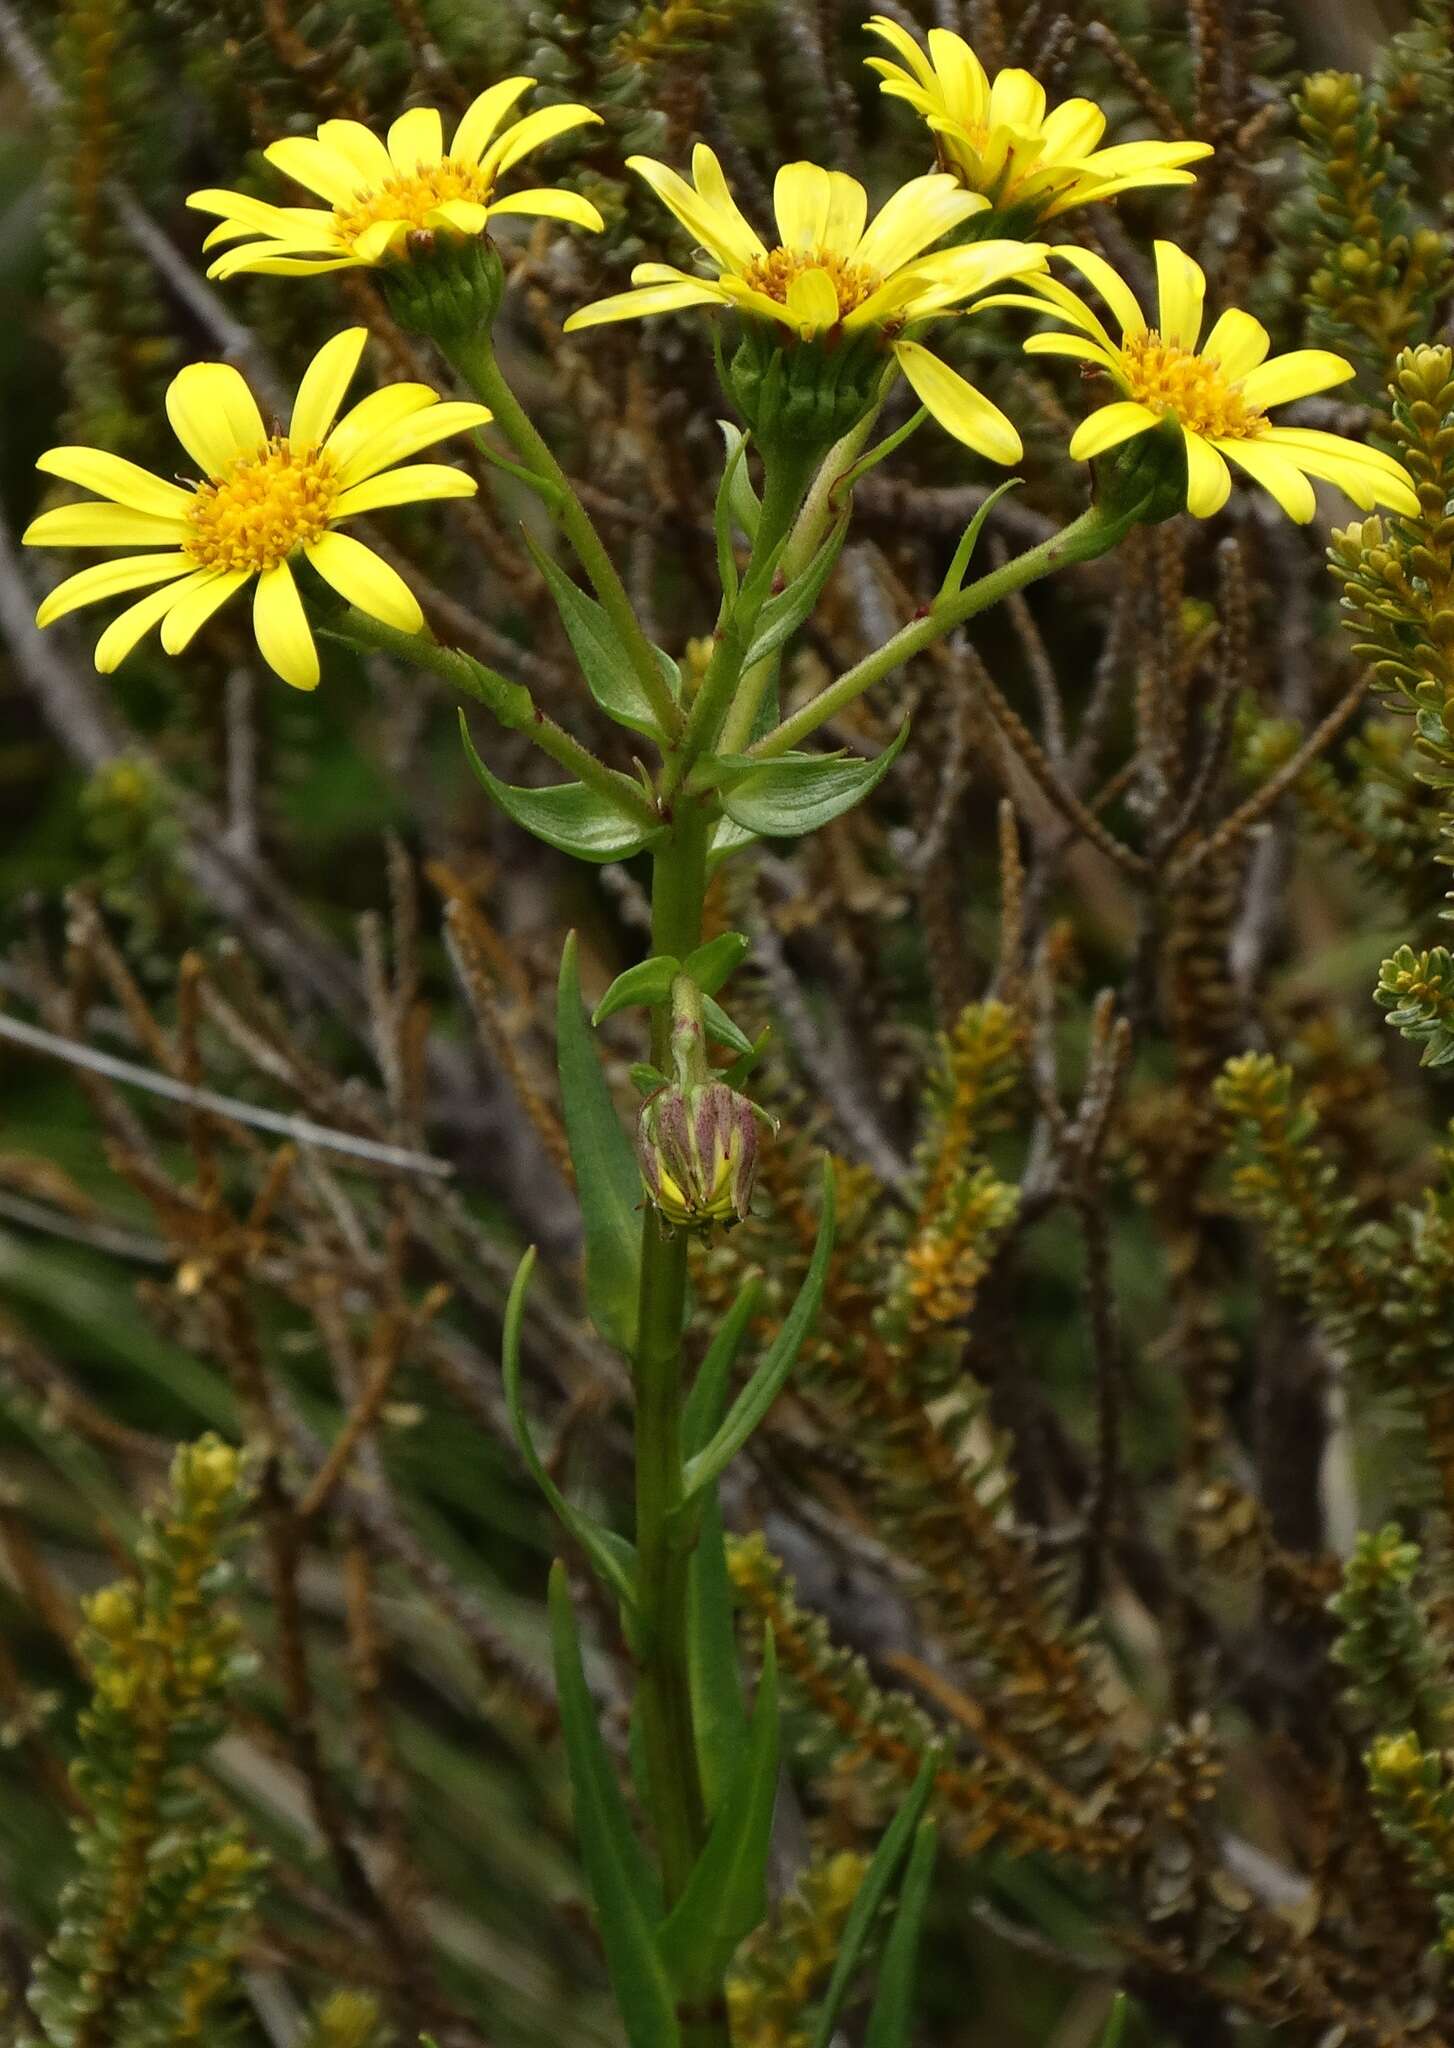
x,y
649,981
801,792
607,1177
964,554
613,1557
726,1894
623,1884
872,1892
1115,2025
566,815
702,1415
720,1027
782,615
736,494
712,964
892,2017
707,1466
727,838
605,664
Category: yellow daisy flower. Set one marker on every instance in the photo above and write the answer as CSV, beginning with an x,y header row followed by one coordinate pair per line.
x,y
998,139
378,195
832,275
264,500
1218,393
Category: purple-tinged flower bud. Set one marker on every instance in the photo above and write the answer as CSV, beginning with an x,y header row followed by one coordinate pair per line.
x,y
698,1152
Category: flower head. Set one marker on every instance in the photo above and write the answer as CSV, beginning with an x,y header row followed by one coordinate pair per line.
x,y
998,139
379,195
264,499
832,276
698,1151
1218,393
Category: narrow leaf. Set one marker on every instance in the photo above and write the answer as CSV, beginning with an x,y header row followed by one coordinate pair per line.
x,y
703,1411
726,1894
649,981
801,792
893,2006
613,1557
727,838
605,664
607,1176
872,1892
720,1026
1115,2025
707,1466
566,815
623,1886
742,499
963,555
712,964
719,1717
782,615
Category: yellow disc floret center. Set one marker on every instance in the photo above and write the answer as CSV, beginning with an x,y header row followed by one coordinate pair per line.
x,y
267,507
413,197
1190,387
774,273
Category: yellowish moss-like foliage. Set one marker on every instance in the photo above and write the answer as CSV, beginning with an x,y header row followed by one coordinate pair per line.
x,y
146,1949
786,1963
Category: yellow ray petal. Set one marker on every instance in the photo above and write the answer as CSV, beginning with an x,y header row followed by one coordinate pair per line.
x,y
656,298
1365,475
801,196
1113,288
1237,344
281,626
112,476
461,216
102,526
325,380
812,302
1108,427
407,436
550,203
259,214
361,147
373,243
958,407
1278,474
1069,345
916,215
1208,480
196,604
847,212
214,415
900,41
720,233
1298,374
1182,287
124,632
1072,130
483,116
1017,100
372,414
262,264
961,77
533,133
360,576
316,167
110,579
403,487
711,184
416,139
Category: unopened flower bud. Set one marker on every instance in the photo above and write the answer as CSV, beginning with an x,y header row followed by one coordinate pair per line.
x,y
698,1152
802,395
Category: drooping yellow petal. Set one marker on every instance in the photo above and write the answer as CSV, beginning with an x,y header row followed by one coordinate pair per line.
x,y
102,526
281,627
403,487
959,408
483,116
258,263
1182,286
325,381
1236,344
214,415
1278,474
1208,480
1108,427
1069,345
1098,274
312,164
812,302
364,579
550,203
256,214
111,579
1298,374
137,620
638,305
195,606
407,436
112,476
1366,475
361,147
416,139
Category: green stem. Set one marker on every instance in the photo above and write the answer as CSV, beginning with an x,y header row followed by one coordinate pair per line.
x,y
511,703
664,1698
1092,534
474,358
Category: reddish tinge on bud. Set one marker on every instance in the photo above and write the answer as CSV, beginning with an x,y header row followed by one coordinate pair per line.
x,y
698,1153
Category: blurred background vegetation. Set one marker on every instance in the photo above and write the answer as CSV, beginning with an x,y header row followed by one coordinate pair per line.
x,y
1105,1500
